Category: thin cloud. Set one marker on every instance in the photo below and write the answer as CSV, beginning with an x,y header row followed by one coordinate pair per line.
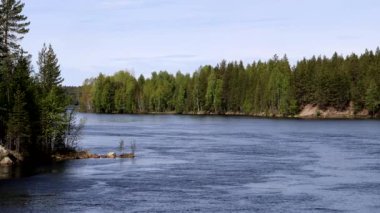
x,y
163,57
348,37
131,4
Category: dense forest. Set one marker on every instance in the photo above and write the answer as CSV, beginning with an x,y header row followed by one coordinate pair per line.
x,y
34,119
271,88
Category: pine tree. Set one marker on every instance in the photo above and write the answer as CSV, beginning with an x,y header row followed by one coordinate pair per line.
x,y
13,26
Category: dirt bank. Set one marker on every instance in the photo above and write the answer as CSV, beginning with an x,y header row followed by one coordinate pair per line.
x,y
313,111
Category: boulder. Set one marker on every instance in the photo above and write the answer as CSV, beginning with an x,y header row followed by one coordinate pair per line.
x,y
111,155
3,152
6,162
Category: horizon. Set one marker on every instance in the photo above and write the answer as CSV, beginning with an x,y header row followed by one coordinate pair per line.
x,y
143,36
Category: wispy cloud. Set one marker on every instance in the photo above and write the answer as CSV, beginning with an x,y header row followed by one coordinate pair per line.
x,y
348,37
131,4
148,35
162,57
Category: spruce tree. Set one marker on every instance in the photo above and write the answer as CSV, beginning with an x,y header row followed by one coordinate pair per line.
x,y
53,101
49,69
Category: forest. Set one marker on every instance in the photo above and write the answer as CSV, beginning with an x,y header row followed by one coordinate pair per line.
x,y
262,88
34,119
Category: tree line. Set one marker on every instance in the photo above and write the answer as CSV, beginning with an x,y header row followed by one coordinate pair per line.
x,y
34,119
264,88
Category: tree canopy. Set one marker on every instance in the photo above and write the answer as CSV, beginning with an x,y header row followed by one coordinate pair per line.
x,y
34,119
260,88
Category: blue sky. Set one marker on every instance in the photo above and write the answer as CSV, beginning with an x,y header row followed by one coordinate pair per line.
x,y
93,36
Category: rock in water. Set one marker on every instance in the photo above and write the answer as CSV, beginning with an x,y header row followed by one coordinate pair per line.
x,y
129,155
6,162
111,155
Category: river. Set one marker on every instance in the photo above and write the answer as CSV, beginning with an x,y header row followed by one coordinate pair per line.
x,y
210,164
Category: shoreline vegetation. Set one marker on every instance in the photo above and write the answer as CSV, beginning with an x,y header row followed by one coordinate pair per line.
x,y
309,112
36,120
319,87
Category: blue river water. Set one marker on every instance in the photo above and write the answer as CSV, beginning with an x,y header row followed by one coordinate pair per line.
x,y
210,164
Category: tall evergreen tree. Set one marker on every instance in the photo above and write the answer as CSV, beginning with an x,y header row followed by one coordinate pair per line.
x,y
53,101
13,25
49,70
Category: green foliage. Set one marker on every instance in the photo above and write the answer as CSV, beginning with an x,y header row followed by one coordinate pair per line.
x,y
372,97
13,26
18,127
218,94
73,93
265,88
180,92
34,119
49,71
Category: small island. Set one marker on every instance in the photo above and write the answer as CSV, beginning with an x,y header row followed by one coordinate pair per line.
x,y
12,158
88,155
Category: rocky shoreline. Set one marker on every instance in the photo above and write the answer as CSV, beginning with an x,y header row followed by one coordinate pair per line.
x,y
11,158
88,155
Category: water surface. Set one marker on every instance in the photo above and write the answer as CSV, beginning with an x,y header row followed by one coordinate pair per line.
x,y
211,164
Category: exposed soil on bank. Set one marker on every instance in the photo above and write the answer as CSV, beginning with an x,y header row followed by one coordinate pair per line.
x,y
314,111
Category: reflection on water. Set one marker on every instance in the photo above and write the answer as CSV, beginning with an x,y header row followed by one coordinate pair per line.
x,y
30,170
209,164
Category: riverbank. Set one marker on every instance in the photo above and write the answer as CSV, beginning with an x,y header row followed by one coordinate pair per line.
x,y
88,155
308,112
314,111
12,158
9,158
